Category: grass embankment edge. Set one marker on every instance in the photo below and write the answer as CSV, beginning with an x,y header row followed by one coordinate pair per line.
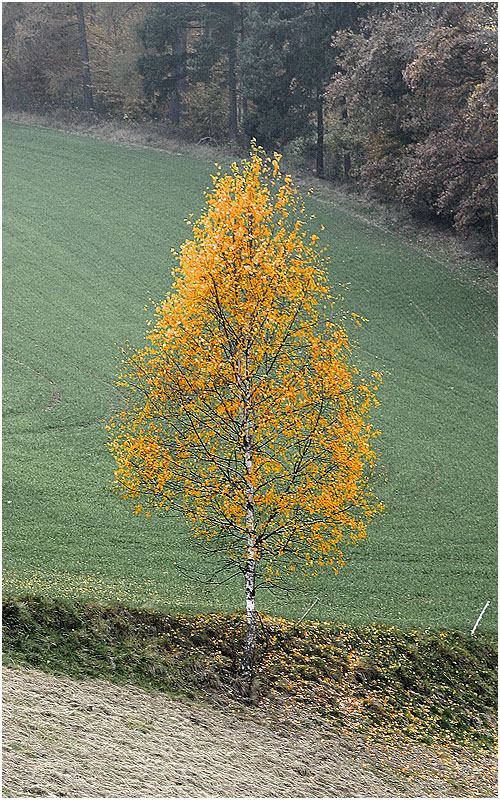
x,y
433,686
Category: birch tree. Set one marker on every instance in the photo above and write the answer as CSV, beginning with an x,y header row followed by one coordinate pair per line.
x,y
247,413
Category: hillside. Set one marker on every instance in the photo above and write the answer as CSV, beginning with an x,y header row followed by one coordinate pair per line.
x,y
424,684
88,228
106,625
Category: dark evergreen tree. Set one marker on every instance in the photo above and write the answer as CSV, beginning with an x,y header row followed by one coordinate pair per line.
x,y
190,42
315,57
287,60
216,49
164,65
276,111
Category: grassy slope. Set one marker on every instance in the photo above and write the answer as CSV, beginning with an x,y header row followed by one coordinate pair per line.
x,y
88,228
429,686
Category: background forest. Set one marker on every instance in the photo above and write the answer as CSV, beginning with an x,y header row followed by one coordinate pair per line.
x,y
398,99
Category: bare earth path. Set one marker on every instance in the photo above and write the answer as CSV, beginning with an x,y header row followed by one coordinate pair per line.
x,y
93,739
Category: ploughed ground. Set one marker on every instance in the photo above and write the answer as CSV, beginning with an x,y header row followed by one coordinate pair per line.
x,y
90,738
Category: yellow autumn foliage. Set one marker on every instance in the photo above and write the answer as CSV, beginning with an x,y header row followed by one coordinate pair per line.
x,y
247,387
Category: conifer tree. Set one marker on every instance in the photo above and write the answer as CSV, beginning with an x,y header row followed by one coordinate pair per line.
x,y
216,50
164,64
247,413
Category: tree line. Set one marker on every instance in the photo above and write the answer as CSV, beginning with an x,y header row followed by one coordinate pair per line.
x,y
398,98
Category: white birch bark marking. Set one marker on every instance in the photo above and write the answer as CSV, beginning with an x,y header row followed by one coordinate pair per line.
x,y
246,669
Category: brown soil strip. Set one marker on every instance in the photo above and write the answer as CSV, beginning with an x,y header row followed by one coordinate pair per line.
x,y
71,738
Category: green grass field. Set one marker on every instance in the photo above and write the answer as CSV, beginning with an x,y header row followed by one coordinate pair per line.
x,y
88,228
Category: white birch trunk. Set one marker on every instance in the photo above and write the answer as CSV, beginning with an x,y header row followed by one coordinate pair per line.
x,y
247,661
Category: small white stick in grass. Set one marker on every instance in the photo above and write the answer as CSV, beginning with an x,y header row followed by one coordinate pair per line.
x,y
479,618
307,612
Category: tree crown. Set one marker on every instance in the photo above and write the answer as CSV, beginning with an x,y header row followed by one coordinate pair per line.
x,y
247,381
